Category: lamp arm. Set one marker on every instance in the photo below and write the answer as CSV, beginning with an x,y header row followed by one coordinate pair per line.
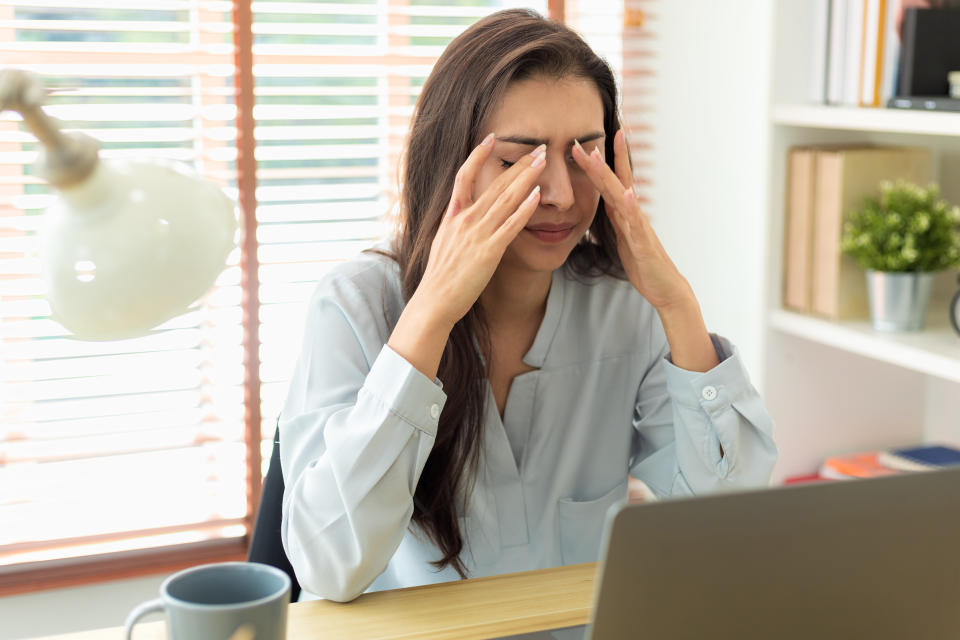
x,y
67,159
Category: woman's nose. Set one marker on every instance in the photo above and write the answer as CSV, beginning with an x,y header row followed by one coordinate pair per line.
x,y
556,189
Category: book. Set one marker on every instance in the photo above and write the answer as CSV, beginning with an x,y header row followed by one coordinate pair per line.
x,y
891,51
856,465
853,56
920,458
798,229
843,177
836,51
872,49
806,478
820,65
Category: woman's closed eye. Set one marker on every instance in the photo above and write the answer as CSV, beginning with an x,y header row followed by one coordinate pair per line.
x,y
506,164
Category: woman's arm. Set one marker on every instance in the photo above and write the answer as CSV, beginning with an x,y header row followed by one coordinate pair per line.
x,y
355,433
471,239
700,432
646,263
700,424
355,436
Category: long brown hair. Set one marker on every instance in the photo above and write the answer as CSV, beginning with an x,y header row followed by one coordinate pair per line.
x,y
467,84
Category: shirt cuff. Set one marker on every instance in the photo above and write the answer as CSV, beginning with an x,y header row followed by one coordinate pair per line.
x,y
714,390
405,391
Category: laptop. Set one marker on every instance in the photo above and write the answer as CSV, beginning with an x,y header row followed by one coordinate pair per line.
x,y
877,558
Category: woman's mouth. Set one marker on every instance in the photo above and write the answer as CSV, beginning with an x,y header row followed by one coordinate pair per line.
x,y
550,232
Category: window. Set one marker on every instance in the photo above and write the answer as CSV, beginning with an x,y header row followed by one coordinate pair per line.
x,y
134,455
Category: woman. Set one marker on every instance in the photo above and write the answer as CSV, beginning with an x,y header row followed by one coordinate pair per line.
x,y
471,398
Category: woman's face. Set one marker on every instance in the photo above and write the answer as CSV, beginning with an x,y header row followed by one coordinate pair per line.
x,y
555,112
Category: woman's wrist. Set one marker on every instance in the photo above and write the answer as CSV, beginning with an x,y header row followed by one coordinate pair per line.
x,y
690,345
420,336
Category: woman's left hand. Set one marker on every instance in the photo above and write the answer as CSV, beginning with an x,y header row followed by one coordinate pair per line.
x,y
647,265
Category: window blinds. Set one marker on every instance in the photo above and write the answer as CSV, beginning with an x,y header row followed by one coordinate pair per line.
x,y
335,87
120,445
113,446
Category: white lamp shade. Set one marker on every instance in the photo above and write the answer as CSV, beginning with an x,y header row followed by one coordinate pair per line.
x,y
131,246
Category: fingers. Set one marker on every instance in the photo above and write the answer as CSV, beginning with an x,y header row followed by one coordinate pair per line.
x,y
621,160
604,180
515,223
513,194
462,196
503,187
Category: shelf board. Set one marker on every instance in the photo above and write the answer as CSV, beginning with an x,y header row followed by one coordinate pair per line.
x,y
934,351
938,123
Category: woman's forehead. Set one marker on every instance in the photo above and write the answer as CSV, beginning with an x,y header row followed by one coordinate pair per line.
x,y
550,109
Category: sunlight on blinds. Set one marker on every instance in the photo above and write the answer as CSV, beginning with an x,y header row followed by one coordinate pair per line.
x,y
106,446
124,445
331,126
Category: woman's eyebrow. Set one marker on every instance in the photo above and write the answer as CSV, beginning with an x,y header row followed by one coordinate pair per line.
x,y
535,142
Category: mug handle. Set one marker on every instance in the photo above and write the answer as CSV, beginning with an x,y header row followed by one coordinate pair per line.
x,y
141,610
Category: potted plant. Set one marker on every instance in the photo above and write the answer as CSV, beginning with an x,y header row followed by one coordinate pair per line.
x,y
902,238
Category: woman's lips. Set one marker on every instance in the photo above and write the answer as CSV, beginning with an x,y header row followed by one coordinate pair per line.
x,y
550,233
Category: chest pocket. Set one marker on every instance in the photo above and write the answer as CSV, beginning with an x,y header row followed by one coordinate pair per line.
x,y
581,524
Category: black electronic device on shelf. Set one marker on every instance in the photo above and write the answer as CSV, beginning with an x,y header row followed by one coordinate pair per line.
x,y
925,103
930,50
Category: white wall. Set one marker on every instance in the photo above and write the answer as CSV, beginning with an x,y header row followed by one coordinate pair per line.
x,y
74,609
710,201
710,192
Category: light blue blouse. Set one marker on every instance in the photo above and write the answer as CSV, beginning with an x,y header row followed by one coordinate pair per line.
x,y
603,401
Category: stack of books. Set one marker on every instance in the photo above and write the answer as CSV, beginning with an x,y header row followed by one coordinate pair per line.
x,y
868,53
874,464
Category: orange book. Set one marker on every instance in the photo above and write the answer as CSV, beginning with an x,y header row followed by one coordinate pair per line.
x,y
858,465
872,52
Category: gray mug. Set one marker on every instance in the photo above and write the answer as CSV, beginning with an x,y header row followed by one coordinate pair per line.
x,y
214,601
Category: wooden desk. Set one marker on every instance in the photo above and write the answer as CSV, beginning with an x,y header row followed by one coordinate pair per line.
x,y
463,610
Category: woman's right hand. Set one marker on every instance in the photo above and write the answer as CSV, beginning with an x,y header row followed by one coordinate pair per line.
x,y
470,241
474,234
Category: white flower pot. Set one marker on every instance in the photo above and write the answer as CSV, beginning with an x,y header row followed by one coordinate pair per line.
x,y
898,301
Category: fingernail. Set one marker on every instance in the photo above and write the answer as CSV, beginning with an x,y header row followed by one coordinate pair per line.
x,y
534,194
488,140
539,161
538,151
595,156
576,144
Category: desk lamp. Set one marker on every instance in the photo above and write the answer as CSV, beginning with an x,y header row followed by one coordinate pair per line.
x,y
126,245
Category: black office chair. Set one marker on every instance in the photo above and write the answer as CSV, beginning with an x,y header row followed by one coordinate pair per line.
x,y
265,545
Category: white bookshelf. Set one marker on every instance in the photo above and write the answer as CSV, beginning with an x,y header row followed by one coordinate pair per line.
x,y
935,351
836,387
903,121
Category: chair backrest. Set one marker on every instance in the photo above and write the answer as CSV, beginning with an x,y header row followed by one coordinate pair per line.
x,y
265,545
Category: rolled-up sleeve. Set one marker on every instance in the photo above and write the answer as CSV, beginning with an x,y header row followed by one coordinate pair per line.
x,y
701,432
354,438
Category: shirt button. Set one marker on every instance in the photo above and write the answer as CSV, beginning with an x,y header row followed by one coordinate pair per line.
x,y
434,411
709,392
